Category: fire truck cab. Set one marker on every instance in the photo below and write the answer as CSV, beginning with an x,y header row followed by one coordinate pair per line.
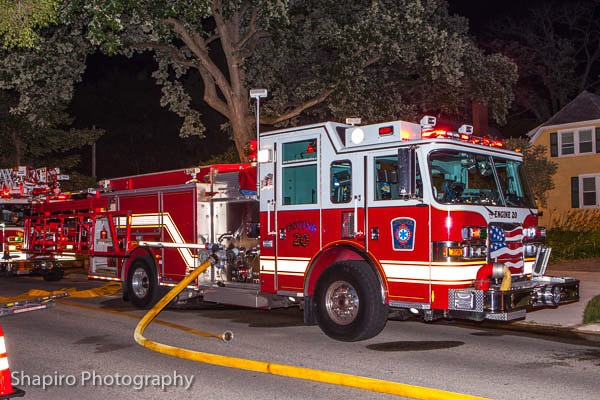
x,y
359,219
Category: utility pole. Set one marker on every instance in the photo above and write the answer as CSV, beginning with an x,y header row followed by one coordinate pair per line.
x,y
94,155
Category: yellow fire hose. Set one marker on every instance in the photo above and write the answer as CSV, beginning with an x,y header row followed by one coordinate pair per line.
x,y
375,385
109,289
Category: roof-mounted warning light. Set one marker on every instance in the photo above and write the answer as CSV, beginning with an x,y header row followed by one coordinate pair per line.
x,y
466,129
428,122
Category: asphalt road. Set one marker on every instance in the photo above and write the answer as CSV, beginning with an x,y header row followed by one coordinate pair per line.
x,y
89,348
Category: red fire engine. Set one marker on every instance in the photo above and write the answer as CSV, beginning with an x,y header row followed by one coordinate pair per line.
x,y
354,221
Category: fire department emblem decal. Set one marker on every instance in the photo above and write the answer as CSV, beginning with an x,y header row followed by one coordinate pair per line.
x,y
403,233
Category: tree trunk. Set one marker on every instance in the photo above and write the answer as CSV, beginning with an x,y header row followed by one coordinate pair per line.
x,y
243,132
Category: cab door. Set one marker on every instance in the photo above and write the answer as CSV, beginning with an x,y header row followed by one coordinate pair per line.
x,y
298,208
344,198
398,230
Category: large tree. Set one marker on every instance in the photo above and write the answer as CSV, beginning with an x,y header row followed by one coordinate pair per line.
x,y
382,59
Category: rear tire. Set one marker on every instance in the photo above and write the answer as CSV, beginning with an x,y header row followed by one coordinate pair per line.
x,y
142,283
54,274
348,302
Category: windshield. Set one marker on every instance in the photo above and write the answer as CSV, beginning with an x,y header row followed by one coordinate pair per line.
x,y
460,177
513,183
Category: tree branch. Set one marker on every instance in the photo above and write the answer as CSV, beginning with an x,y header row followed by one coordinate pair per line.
x,y
210,92
198,46
297,110
173,52
212,38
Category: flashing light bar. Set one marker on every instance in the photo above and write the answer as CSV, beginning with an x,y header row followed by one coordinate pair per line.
x,y
440,133
465,133
430,134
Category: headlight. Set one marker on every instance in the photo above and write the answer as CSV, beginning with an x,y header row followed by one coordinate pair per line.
x,y
534,232
475,252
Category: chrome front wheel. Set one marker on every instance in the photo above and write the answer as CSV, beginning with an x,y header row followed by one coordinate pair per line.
x,y
342,302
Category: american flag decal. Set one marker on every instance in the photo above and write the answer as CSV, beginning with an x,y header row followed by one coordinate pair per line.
x,y
507,246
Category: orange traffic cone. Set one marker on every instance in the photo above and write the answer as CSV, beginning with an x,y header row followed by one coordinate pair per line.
x,y
6,389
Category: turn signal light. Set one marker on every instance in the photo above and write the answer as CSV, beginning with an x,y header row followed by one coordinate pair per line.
x,y
453,252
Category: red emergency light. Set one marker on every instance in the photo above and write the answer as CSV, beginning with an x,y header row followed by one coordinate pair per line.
x,y
386,130
430,134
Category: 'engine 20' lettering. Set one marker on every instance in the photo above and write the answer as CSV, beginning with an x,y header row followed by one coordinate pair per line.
x,y
505,214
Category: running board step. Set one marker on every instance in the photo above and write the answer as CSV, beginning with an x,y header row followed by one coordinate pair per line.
x,y
243,297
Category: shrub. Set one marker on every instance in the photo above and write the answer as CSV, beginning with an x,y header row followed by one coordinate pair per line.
x,y
592,311
577,221
570,245
575,235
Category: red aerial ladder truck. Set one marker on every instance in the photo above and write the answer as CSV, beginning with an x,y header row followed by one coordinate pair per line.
x,y
350,223
19,186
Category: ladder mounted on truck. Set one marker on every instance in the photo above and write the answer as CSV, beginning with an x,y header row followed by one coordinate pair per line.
x,y
75,233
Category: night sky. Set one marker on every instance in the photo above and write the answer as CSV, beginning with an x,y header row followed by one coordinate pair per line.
x,y
119,95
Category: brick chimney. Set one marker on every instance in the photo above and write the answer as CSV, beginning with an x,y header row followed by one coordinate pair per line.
x,y
480,119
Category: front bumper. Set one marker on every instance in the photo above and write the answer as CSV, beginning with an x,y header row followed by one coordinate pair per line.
x,y
511,304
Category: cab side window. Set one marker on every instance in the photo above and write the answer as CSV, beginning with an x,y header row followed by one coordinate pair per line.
x,y
341,181
386,178
300,172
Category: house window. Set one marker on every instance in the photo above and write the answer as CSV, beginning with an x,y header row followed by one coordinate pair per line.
x,y
567,143
585,191
589,192
585,141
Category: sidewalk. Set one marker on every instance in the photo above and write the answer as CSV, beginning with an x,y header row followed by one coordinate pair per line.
x,y
570,316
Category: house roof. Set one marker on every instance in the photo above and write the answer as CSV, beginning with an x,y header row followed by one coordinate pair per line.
x,y
584,107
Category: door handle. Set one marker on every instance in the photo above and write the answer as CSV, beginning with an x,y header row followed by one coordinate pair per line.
x,y
356,231
269,231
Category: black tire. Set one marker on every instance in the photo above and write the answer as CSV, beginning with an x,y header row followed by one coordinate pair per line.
x,y
54,274
362,315
124,291
142,284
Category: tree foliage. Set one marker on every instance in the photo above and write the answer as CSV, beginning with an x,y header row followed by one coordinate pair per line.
x,y
381,60
538,168
22,143
557,48
36,87
21,19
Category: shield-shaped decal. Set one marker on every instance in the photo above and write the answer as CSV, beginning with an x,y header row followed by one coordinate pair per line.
x,y
403,233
